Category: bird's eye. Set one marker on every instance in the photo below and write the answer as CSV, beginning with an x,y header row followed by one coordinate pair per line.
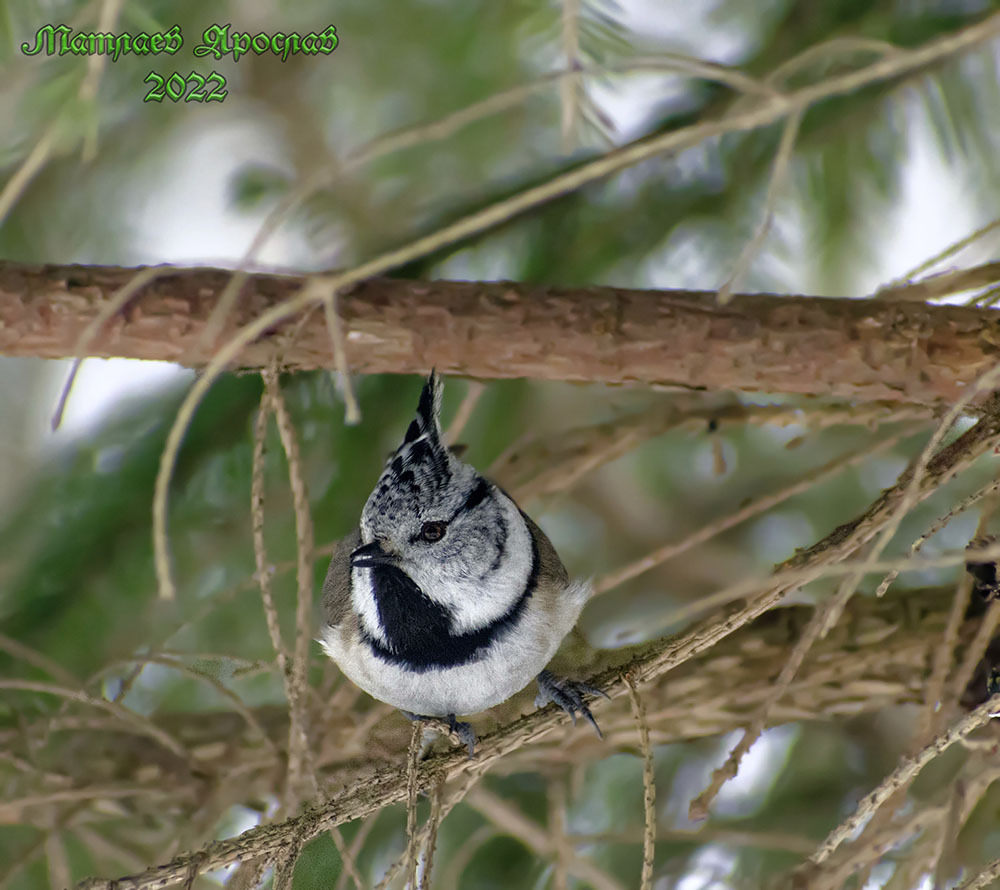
x,y
432,531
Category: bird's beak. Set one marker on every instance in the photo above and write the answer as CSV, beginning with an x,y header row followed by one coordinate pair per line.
x,y
371,555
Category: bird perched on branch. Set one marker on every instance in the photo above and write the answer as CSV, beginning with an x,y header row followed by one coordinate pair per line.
x,y
448,599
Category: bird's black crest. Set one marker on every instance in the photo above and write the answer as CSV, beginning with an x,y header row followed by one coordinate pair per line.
x,y
426,422
422,444
420,467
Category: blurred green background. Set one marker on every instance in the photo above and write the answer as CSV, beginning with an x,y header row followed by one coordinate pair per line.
x,y
879,180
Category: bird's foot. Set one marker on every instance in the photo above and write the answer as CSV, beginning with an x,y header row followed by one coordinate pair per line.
x,y
568,695
463,731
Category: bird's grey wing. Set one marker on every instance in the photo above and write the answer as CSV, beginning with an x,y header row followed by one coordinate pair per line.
x,y
554,591
551,572
336,603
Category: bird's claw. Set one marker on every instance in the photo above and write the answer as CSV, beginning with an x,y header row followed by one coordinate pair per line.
x,y
568,695
464,731
465,734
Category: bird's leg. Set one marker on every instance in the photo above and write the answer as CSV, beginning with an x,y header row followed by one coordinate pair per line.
x,y
464,731
568,695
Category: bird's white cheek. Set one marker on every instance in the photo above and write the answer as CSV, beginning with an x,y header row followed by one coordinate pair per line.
x,y
363,599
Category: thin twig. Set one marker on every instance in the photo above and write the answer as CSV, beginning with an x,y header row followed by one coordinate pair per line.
x,y
823,617
89,86
129,718
943,657
779,171
11,809
263,573
512,821
28,170
29,655
939,524
934,287
29,769
98,845
497,103
239,706
335,326
985,382
357,842
539,467
298,738
904,773
348,861
272,222
28,854
468,404
60,409
456,796
868,849
556,788
569,85
411,804
939,257
983,879
433,824
223,306
764,840
650,561
452,875
648,786
838,46
56,860
947,837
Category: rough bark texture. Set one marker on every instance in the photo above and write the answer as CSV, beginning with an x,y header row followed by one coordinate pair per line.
x,y
877,656
859,349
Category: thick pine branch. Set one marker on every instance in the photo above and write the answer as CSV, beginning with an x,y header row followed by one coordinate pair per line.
x,y
885,350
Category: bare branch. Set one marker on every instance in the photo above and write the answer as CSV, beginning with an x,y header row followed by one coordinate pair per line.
x,y
263,572
511,821
648,786
895,351
298,741
903,774
128,718
825,614
779,172
433,823
983,879
759,505
411,805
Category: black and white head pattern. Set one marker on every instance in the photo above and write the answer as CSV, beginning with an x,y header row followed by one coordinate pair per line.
x,y
461,560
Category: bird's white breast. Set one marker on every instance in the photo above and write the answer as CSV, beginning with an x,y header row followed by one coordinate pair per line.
x,y
503,669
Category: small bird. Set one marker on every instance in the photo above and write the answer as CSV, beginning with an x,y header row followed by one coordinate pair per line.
x,y
447,599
